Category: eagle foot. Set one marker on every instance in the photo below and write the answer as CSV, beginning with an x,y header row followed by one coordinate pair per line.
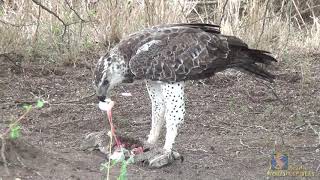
x,y
157,158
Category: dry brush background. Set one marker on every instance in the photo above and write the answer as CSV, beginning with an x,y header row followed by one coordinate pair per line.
x,y
67,29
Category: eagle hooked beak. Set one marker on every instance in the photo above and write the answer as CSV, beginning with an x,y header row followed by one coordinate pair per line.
x,y
102,98
102,90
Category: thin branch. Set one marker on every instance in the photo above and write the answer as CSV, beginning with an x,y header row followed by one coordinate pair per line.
x,y
54,14
15,25
277,97
75,12
314,130
310,8
223,11
76,22
263,23
289,29
3,135
7,57
35,39
297,9
3,148
74,101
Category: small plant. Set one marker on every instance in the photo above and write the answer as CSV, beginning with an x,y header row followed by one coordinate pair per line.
x,y
118,157
14,130
15,127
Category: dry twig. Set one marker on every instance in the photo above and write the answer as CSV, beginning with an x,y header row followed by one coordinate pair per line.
x,y
3,148
15,25
73,101
54,14
314,130
223,11
3,135
297,9
75,12
263,23
277,97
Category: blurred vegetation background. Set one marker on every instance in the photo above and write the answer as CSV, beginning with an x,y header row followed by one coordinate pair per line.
x,y
70,31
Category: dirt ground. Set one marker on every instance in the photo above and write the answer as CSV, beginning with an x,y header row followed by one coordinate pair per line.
x,y
230,129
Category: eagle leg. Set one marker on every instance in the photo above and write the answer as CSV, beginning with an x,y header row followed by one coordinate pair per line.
x,y
158,110
175,111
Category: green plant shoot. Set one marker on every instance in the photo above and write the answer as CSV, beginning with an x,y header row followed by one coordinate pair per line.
x,y
123,173
14,131
40,103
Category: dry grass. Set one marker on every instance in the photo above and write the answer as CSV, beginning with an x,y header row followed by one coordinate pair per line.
x,y
89,25
72,31
68,30
60,30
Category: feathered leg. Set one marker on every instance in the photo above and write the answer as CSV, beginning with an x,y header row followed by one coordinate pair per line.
x,y
175,111
158,109
167,103
173,94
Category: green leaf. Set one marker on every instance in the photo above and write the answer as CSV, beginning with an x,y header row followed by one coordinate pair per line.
x,y
123,172
113,162
40,103
124,166
27,107
15,131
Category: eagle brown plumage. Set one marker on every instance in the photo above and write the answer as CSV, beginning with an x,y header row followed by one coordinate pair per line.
x,y
168,55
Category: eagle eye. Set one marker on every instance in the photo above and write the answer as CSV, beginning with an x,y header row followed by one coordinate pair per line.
x,y
105,82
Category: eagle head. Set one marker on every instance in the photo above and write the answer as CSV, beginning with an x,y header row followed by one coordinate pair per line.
x,y
109,71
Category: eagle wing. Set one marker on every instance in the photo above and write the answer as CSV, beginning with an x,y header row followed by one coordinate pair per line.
x,y
176,52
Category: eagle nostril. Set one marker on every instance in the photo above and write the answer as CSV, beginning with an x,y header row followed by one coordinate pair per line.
x,y
102,98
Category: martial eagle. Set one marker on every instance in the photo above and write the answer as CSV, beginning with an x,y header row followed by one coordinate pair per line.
x,y
165,57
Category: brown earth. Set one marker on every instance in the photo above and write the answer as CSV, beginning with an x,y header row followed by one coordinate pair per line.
x,y
230,129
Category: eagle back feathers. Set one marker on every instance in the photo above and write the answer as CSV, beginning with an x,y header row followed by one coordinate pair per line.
x,y
179,52
175,52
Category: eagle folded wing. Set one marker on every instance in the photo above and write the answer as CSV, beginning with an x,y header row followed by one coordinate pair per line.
x,y
177,54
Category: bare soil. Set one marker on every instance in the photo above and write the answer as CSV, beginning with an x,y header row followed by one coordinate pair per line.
x,y
230,129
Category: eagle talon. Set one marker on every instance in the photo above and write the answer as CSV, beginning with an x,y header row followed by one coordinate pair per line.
x,y
157,158
161,160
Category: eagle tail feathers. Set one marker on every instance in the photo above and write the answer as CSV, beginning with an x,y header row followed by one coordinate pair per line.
x,y
250,61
